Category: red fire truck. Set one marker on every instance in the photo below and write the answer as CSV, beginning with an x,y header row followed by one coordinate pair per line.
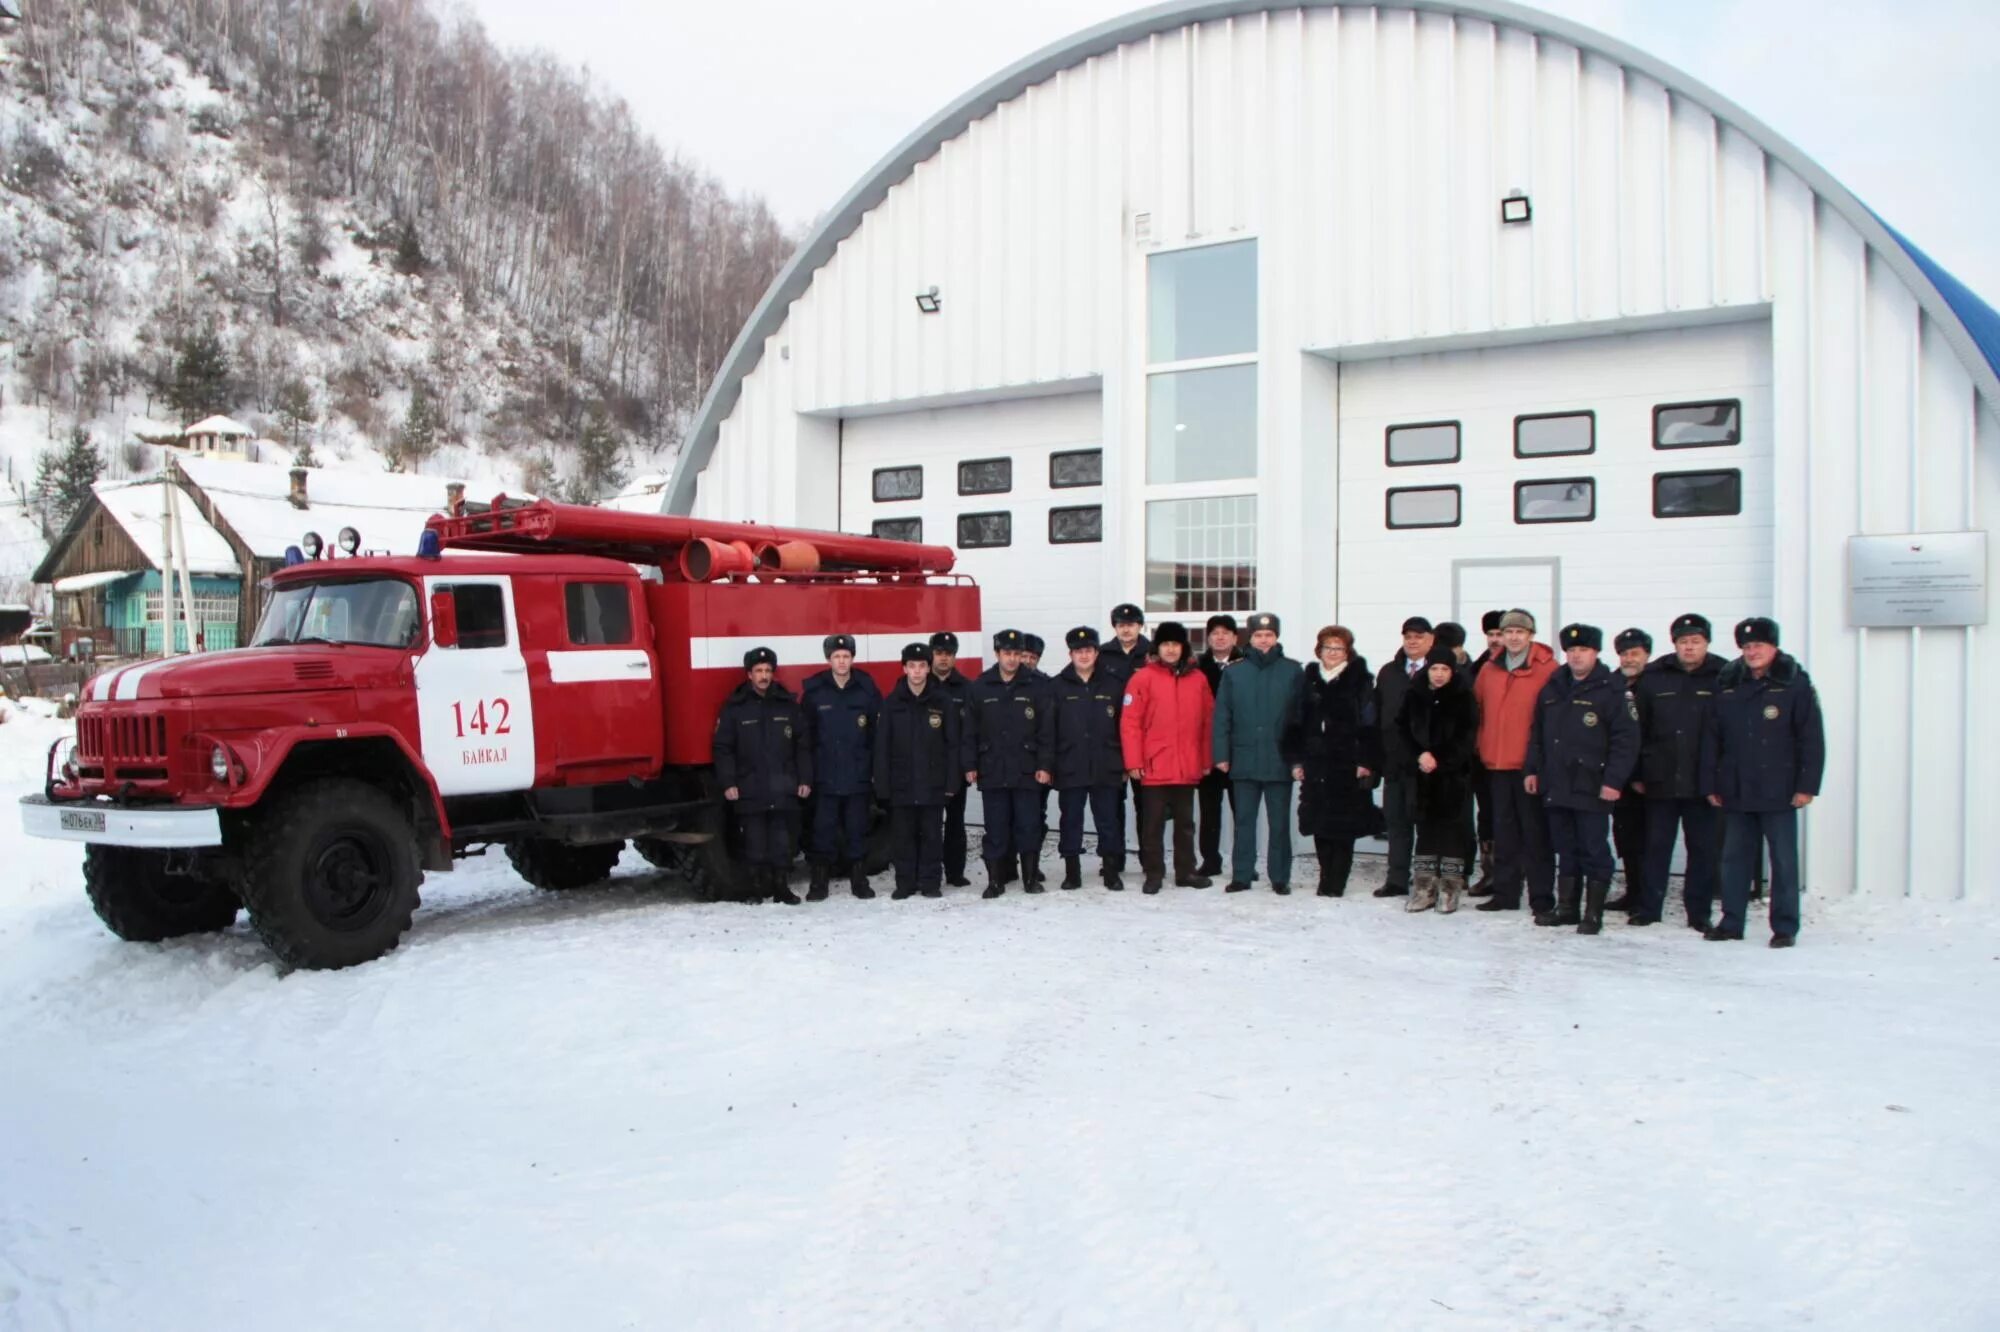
x,y
540,677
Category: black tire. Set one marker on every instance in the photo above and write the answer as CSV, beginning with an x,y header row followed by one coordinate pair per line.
x,y
330,874
660,854
135,896
558,866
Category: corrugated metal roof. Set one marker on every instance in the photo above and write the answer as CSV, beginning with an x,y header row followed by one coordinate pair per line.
x,y
1981,320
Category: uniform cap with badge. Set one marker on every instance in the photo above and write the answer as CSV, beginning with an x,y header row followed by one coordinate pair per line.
x,y
944,641
836,643
1126,613
1009,640
1583,636
916,652
1083,636
759,656
1757,629
1633,638
1691,624
1263,620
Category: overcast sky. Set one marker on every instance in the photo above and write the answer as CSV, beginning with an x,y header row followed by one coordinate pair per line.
x,y
795,99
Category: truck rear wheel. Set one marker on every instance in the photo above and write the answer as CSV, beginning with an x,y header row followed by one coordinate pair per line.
x,y
558,866
141,902
330,874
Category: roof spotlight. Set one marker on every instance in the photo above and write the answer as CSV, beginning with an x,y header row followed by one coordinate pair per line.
x,y
312,545
350,540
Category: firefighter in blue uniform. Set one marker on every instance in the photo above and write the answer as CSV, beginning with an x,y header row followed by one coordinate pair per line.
x,y
1581,748
764,766
1090,761
1675,696
842,706
1762,758
944,661
1009,749
1628,816
919,768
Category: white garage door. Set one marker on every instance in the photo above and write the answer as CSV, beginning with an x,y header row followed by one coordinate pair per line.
x,y
1613,480
1014,487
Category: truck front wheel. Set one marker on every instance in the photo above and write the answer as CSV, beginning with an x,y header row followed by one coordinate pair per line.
x,y
330,874
140,901
558,866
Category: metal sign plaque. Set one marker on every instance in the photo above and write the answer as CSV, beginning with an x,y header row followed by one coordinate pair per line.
x,y
1917,578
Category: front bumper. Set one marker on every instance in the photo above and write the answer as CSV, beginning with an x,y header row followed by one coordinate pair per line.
x,y
169,827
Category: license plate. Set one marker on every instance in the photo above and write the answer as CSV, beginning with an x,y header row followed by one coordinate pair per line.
x,y
82,820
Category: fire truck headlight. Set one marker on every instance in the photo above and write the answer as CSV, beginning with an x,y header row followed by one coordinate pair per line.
x,y
70,770
312,545
218,763
350,540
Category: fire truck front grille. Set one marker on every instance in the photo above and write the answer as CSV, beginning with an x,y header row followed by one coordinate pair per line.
x,y
123,739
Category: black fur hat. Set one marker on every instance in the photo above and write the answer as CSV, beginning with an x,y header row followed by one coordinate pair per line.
x,y
1583,635
1170,631
1126,613
1033,645
1489,623
1009,640
1449,635
1691,624
836,643
1757,629
1083,636
945,641
1633,638
760,656
916,652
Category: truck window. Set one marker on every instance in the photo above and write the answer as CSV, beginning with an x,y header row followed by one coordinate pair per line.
x,y
600,614
482,615
377,612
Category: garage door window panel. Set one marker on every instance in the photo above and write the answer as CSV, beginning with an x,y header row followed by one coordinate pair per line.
x,y
1201,302
1422,506
1698,425
986,476
1201,425
1555,434
1717,494
1076,467
984,531
1567,499
1422,443
898,483
1201,554
899,529
1076,525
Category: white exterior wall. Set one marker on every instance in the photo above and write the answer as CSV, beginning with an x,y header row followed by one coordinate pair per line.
x,y
1367,150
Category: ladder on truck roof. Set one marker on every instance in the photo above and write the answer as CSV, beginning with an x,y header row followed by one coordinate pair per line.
x,y
697,549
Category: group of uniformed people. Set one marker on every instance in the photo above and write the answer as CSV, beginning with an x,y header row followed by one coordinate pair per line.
x,y
1532,765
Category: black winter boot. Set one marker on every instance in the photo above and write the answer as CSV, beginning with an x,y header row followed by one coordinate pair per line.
x,y
1593,906
780,890
1031,874
816,891
1484,888
1569,902
857,882
1072,872
903,891
1495,902
1114,873
1150,886
996,882
1631,893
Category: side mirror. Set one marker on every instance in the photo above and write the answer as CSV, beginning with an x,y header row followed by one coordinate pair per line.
x,y
444,619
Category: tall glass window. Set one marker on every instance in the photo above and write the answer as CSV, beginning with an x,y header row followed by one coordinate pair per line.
x,y
1201,425
1201,554
1202,302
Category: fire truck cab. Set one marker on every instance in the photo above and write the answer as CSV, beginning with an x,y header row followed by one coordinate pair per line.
x,y
539,677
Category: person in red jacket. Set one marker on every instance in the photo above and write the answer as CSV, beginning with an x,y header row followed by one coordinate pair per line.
x,y
1507,688
1164,728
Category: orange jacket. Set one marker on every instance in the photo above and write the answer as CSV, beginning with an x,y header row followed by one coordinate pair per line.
x,y
1507,706
1165,725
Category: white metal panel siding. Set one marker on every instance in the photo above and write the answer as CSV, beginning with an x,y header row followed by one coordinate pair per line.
x,y
1030,585
1624,567
1367,150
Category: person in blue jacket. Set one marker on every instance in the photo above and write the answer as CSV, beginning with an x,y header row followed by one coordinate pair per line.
x,y
1010,747
1582,745
1762,758
842,706
1090,761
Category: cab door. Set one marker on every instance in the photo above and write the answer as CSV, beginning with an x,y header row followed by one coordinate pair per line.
x,y
603,684
474,708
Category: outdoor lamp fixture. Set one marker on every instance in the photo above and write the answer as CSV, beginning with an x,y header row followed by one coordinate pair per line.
x,y
1515,208
350,541
312,545
928,301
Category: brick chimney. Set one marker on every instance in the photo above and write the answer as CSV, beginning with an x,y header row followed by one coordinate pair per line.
x,y
454,498
298,495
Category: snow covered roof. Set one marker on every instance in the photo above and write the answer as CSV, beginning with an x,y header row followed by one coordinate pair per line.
x,y
644,495
219,425
135,505
150,431
84,582
389,509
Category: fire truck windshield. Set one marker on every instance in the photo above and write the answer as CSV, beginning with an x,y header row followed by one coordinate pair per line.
x,y
376,612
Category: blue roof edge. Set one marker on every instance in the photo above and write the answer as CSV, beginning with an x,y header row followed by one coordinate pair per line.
x,y
1982,321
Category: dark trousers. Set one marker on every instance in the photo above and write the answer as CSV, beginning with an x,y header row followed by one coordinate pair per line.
x,y
1701,823
1482,803
1399,808
1628,839
1213,797
1246,796
1520,843
1156,805
1336,860
840,828
767,838
1013,821
1106,806
1745,835
954,836
916,845
1581,841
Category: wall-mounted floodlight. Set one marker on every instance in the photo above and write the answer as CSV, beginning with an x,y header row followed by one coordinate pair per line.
x,y
1515,208
928,300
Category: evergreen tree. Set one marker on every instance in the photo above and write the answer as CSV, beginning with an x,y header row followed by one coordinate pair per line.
x,y
63,479
297,414
538,476
410,257
200,385
600,468
417,439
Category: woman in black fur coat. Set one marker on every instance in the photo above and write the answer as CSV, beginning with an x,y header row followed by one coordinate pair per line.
x,y
1440,722
1333,746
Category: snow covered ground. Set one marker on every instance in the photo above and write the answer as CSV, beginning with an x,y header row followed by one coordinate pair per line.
x,y
620,1108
